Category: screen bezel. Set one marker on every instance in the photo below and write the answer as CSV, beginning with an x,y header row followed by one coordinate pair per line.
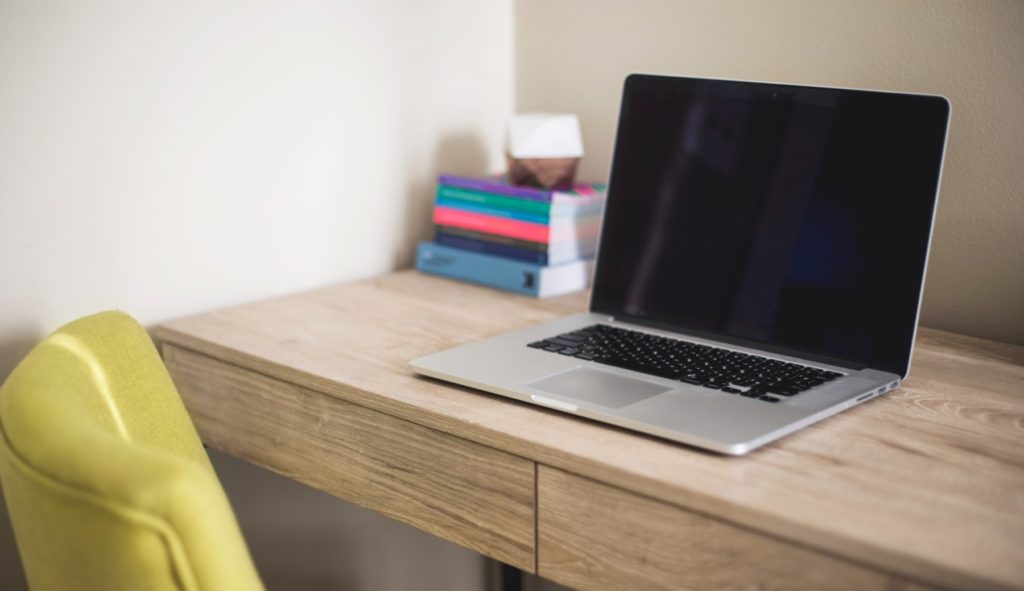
x,y
641,82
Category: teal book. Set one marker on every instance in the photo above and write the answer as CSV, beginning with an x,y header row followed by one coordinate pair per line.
x,y
511,214
537,211
503,273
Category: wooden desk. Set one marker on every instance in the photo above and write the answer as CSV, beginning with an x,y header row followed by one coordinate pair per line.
x,y
922,488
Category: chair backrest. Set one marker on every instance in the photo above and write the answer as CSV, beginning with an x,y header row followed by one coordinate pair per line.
x,y
106,481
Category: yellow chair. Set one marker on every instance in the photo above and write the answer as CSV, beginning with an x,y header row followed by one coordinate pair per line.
x,y
106,481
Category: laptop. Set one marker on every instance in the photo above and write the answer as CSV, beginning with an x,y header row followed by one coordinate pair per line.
x,y
760,267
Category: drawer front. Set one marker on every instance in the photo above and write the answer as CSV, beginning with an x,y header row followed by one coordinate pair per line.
x,y
469,494
595,536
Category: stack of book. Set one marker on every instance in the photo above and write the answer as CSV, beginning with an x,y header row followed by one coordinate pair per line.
x,y
521,239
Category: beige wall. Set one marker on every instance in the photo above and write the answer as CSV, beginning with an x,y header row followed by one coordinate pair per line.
x,y
572,55
169,158
173,157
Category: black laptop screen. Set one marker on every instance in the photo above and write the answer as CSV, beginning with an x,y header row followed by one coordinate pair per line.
x,y
793,218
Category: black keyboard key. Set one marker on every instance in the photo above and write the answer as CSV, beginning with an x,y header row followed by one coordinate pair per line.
x,y
564,342
640,367
769,399
692,363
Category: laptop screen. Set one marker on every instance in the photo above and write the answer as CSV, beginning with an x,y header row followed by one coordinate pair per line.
x,y
788,218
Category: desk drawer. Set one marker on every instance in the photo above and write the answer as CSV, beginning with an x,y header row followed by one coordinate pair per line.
x,y
469,494
595,536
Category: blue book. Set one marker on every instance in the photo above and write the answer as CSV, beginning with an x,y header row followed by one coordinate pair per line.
x,y
491,248
503,273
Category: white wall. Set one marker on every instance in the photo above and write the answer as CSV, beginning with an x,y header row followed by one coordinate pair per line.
x,y
168,158
572,55
172,157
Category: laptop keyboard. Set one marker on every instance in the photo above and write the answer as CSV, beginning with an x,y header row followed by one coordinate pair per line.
x,y
711,367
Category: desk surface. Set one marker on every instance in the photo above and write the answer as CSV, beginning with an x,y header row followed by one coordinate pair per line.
x,y
925,484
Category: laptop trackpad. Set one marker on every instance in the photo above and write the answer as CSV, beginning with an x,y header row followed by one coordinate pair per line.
x,y
598,387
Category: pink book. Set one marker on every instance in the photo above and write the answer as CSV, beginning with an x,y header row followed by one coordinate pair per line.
x,y
557,232
447,216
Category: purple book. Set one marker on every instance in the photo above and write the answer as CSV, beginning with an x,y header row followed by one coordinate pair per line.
x,y
498,186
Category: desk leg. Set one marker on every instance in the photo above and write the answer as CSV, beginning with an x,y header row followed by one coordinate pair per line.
x,y
511,578
502,577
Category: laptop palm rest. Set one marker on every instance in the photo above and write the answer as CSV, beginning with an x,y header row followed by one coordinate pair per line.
x,y
597,387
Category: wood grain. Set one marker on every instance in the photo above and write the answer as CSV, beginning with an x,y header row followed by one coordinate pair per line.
x,y
594,536
897,584
926,483
466,493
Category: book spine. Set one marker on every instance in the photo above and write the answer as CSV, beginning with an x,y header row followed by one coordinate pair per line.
x,y
494,187
491,200
446,216
506,274
491,248
559,208
555,254
485,237
484,210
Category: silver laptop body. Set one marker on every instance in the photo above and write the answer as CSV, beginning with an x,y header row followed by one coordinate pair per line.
x,y
826,198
